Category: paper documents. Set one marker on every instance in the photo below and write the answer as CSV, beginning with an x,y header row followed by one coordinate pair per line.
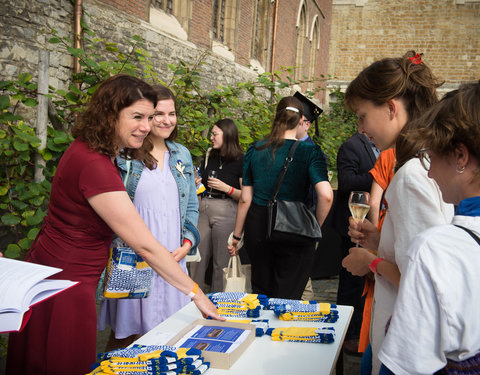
x,y
22,285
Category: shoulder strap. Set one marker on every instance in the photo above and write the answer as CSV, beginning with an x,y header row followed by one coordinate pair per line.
x,y
207,155
474,236
288,160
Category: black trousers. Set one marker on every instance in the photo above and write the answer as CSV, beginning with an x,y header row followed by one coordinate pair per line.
x,y
281,265
350,289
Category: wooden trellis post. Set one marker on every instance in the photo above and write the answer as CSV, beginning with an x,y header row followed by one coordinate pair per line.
x,y
42,111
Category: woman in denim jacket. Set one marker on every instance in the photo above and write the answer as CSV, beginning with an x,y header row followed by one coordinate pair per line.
x,y
161,184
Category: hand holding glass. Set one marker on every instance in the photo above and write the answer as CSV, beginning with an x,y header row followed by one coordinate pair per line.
x,y
359,205
212,174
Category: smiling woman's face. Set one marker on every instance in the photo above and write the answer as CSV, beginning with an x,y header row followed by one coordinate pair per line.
x,y
133,124
377,122
165,119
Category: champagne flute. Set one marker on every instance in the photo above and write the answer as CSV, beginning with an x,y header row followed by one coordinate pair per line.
x,y
212,174
359,205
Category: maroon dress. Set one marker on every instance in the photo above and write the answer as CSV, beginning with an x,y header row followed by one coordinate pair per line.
x,y
60,337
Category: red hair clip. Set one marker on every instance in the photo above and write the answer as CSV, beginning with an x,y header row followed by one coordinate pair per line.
x,y
417,59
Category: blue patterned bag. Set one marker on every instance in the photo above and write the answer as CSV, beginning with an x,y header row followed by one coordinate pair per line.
x,y
127,274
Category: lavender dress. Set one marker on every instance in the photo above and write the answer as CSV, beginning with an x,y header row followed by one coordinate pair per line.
x,y
157,201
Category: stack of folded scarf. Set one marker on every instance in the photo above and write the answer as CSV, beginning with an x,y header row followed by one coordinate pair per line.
x,y
238,305
313,312
273,302
323,335
261,325
151,360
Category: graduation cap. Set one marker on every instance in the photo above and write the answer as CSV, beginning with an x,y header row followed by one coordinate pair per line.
x,y
311,111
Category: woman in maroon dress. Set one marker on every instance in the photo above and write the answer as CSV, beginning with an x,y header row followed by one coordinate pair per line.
x,y
88,203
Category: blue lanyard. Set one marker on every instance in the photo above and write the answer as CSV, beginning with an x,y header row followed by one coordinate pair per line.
x,y
469,207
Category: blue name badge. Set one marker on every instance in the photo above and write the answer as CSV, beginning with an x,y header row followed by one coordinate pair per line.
x,y
127,258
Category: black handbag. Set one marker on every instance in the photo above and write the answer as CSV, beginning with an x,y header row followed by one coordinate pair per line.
x,y
292,217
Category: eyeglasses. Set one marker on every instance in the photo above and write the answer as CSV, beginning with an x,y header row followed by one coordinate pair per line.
x,y
424,157
214,134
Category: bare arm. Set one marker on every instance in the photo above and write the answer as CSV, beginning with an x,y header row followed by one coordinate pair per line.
x,y
242,210
118,211
358,260
376,194
325,198
219,185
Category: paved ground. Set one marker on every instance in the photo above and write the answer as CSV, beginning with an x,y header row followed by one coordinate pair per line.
x,y
325,290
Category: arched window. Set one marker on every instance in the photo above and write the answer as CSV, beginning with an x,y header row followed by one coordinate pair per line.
x,y
260,31
301,37
165,5
314,48
224,21
218,23
161,12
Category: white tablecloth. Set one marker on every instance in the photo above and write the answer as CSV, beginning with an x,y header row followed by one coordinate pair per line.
x,y
265,356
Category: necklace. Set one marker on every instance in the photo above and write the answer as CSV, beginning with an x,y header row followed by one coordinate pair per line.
x,y
221,163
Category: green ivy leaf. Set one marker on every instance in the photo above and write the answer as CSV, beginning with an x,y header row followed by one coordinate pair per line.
x,y
10,219
32,233
20,146
25,243
13,251
37,218
19,205
4,102
25,77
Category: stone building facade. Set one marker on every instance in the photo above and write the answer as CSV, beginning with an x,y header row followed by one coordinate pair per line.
x,y
240,36
334,38
447,32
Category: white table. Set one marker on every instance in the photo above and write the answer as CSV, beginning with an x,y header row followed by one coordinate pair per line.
x,y
265,356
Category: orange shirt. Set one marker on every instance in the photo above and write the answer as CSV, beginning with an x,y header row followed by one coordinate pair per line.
x,y
382,172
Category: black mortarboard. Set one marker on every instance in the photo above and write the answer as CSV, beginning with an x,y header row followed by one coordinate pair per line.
x,y
311,111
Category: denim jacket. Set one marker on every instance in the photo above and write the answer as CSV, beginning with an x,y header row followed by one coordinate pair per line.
x,y
179,155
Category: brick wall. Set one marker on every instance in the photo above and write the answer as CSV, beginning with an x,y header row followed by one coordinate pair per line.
x,y
118,20
446,32
244,32
201,22
137,8
286,36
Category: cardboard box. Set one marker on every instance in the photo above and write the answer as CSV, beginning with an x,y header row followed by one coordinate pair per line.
x,y
220,360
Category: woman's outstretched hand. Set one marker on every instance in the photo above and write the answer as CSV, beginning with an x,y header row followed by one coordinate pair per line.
x,y
206,307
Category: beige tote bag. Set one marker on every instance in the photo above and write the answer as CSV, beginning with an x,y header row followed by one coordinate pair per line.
x,y
236,277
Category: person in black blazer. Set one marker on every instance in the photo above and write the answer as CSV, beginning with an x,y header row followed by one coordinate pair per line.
x,y
355,158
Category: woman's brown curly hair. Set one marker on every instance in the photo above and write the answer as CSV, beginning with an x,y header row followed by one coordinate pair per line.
x,y
454,120
96,126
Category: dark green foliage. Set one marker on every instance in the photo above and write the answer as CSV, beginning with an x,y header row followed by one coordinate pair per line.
x,y
23,202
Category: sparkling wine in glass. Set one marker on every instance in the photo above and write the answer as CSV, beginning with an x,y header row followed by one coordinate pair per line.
x,y
359,205
212,174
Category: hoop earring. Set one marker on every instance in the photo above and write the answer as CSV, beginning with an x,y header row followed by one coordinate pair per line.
x,y
459,169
